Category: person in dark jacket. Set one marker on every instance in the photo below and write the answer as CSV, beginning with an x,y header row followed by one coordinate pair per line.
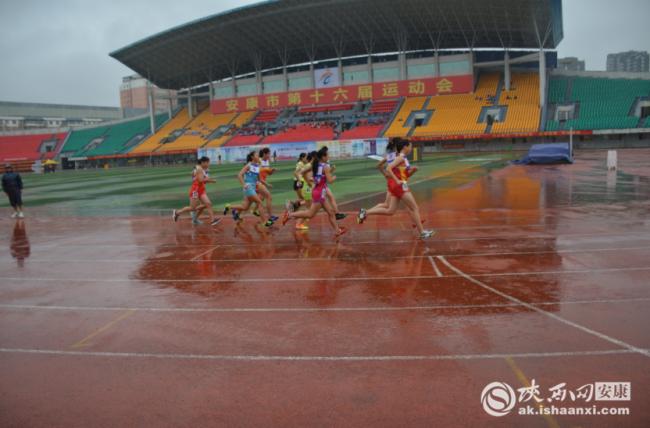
x,y
12,185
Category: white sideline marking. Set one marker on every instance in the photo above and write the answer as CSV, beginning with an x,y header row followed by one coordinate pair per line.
x,y
352,278
340,309
311,259
313,357
543,312
435,267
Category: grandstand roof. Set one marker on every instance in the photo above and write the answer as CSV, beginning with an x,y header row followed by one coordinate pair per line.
x,y
274,33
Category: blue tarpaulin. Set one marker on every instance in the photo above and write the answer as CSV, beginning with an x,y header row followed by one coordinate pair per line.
x,y
544,154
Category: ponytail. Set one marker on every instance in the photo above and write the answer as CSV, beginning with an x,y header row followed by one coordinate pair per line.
x,y
400,144
250,156
390,147
319,155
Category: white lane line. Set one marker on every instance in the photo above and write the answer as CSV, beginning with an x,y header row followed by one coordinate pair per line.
x,y
543,312
435,267
337,279
345,258
635,236
335,309
339,358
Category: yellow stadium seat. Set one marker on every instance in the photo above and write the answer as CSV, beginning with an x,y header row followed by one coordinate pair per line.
x,y
198,130
523,105
153,142
459,114
397,128
242,119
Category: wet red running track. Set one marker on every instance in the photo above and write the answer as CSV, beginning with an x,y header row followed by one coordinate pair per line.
x,y
537,274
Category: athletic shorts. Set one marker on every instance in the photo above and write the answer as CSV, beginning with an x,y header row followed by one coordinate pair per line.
x,y
196,193
396,189
319,194
250,191
15,198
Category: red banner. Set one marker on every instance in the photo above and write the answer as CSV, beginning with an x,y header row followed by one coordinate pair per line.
x,y
347,94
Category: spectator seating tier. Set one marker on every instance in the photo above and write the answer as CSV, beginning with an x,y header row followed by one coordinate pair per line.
x,y
603,103
152,143
243,140
299,133
29,147
397,128
523,113
362,131
196,132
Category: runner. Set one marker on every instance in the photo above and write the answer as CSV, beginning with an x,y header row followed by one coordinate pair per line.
x,y
198,197
322,176
250,179
263,185
398,188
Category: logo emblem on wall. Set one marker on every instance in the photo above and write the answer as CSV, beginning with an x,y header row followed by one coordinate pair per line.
x,y
326,78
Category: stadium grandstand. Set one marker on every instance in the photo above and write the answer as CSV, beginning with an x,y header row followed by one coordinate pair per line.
x,y
436,71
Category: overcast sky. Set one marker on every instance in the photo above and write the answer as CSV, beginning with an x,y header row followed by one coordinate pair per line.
x,y
57,51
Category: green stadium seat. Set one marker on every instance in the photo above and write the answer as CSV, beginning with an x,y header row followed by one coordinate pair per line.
x,y
115,138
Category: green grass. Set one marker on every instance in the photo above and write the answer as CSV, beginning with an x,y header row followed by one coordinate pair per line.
x,y
141,190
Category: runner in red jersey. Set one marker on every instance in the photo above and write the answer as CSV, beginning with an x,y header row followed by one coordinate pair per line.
x,y
397,174
199,199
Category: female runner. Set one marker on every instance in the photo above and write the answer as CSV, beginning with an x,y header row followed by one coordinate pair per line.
x,y
322,176
199,199
249,177
398,175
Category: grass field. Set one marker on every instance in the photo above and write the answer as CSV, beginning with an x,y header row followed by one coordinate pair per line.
x,y
123,191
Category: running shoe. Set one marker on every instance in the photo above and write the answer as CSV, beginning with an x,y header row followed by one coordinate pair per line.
x,y
226,209
21,215
197,222
274,218
427,234
256,213
235,216
215,222
342,231
269,223
341,216
174,216
361,217
285,218
296,205
302,227
14,215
